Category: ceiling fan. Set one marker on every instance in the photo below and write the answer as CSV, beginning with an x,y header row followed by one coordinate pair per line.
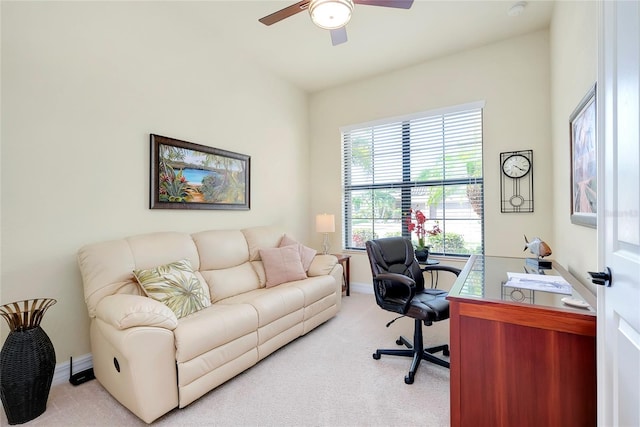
x,y
331,15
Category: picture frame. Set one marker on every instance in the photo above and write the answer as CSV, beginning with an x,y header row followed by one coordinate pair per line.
x,y
185,175
584,161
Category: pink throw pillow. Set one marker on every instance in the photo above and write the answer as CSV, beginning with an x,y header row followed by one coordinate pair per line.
x,y
306,253
282,265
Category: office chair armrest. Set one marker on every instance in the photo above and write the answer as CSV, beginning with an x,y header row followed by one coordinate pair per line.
x,y
395,277
390,295
439,267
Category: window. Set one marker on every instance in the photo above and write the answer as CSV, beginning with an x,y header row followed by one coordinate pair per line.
x,y
429,161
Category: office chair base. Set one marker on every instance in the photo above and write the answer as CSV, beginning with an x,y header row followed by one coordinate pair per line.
x,y
416,352
440,348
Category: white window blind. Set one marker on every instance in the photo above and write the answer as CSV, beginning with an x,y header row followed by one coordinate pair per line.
x,y
430,161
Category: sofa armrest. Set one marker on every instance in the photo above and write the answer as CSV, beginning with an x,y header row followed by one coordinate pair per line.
x,y
124,311
322,265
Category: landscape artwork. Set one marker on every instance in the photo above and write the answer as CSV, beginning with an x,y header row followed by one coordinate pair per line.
x,y
185,175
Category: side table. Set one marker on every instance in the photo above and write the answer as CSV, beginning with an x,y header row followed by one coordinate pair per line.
x,y
344,260
425,268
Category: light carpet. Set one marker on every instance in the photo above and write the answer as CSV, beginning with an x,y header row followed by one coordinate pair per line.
x,y
325,378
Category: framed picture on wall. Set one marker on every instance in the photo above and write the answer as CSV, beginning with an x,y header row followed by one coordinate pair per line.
x,y
584,161
192,176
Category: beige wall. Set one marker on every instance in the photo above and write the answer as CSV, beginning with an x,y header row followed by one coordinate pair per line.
x,y
83,85
574,66
512,77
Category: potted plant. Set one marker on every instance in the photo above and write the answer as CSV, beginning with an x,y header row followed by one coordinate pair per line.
x,y
416,222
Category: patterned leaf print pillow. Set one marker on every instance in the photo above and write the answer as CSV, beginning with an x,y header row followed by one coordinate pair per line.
x,y
175,285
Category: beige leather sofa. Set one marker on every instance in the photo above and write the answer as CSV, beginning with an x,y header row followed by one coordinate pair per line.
x,y
150,360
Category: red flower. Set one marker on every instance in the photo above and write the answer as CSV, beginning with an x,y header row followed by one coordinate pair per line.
x,y
435,230
410,225
419,226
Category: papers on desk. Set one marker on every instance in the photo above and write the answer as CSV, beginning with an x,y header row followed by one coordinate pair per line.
x,y
539,282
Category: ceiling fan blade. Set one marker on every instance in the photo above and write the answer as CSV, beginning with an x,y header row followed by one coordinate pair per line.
x,y
399,4
338,36
285,13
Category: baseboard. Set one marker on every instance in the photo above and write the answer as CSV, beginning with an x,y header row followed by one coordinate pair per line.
x,y
361,288
81,363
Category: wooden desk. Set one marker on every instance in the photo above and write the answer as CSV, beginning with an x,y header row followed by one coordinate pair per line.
x,y
528,362
346,273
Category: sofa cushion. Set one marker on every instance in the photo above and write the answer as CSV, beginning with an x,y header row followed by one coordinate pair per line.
x,y
214,327
271,304
231,281
315,288
175,285
153,249
261,237
106,270
282,265
306,253
220,249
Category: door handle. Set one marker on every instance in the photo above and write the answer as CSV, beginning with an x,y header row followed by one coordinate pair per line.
x,y
601,278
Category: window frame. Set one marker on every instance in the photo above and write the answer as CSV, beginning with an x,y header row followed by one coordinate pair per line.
x,y
406,185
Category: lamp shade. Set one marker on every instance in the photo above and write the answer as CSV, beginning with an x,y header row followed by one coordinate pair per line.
x,y
330,14
325,223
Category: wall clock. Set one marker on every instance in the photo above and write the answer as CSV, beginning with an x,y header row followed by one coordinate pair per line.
x,y
516,181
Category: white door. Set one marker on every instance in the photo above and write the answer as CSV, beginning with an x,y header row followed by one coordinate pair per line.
x,y
619,214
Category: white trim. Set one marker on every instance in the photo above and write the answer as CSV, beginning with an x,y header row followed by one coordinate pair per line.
x,y
61,373
419,115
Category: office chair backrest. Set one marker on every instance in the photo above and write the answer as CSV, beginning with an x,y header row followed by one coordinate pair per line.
x,y
394,255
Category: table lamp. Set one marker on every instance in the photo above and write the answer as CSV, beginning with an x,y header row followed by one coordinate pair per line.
x,y
325,223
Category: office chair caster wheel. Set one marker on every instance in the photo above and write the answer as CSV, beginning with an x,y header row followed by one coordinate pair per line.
x,y
408,379
446,352
399,341
376,356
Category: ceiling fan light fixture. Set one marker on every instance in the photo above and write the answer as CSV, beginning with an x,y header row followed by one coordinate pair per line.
x,y
330,14
517,9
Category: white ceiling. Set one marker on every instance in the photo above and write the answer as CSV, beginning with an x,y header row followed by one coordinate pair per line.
x,y
380,39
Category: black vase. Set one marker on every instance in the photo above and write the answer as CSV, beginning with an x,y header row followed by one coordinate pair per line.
x,y
422,254
27,362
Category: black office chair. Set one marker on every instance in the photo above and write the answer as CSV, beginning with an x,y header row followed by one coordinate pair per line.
x,y
398,285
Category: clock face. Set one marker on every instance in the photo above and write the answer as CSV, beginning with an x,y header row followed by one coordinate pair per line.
x,y
516,166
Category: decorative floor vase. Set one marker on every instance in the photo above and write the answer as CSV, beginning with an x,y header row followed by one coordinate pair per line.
x,y
27,361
